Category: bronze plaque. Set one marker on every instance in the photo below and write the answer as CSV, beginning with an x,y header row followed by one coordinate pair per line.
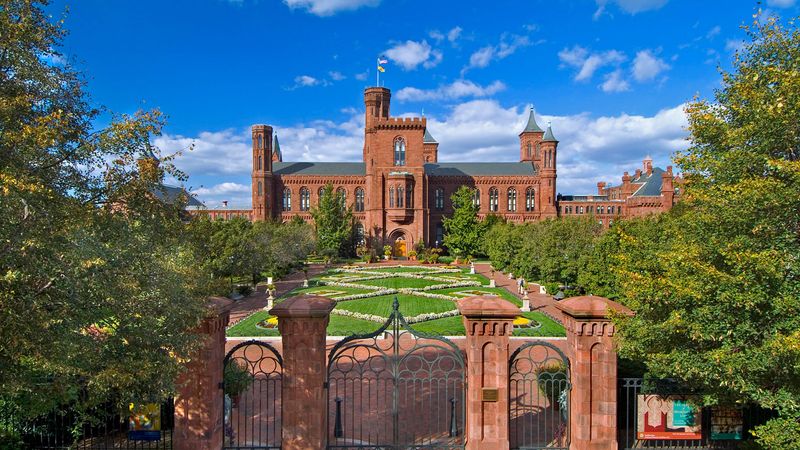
x,y
489,394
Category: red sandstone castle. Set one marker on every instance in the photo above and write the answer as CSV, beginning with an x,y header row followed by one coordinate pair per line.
x,y
400,191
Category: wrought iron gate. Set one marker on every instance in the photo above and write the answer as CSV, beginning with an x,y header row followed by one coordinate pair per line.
x,y
396,388
252,408
539,397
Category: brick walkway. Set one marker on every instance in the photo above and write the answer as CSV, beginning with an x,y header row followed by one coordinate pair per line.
x,y
539,302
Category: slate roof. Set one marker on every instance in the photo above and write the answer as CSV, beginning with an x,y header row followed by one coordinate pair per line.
x,y
170,194
548,135
532,126
584,198
428,138
479,169
319,168
651,186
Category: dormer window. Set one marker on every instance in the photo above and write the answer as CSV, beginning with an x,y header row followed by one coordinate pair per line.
x,y
399,151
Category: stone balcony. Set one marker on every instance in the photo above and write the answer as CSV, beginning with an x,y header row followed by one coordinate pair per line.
x,y
400,215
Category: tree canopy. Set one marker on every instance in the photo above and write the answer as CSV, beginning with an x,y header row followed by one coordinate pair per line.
x,y
334,224
463,230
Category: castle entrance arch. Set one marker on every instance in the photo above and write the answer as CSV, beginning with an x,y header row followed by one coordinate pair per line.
x,y
400,243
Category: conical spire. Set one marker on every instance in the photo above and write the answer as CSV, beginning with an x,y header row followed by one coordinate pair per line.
x,y
532,126
548,135
428,138
276,148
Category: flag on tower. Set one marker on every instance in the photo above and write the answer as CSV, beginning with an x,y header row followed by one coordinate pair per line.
x,y
382,60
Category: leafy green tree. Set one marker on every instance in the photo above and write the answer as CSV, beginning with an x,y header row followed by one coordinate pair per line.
x,y
335,225
463,231
98,284
717,301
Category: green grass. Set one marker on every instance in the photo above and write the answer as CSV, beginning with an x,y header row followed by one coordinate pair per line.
x,y
337,326
398,282
409,305
497,291
454,326
398,269
314,289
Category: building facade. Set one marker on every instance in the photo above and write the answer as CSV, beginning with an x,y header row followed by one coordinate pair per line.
x,y
400,192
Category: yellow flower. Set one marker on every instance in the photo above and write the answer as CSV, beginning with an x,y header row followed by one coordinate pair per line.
x,y
521,321
272,321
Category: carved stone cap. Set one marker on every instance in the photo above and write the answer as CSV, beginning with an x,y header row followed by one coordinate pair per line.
x,y
591,307
303,306
487,307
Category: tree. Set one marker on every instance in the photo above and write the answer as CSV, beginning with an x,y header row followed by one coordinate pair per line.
x,y
98,284
463,231
335,225
717,301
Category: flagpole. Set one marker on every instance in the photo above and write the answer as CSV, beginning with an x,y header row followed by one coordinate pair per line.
x,y
377,73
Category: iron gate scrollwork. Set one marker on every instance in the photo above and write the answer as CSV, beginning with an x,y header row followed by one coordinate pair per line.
x,y
252,373
396,388
538,392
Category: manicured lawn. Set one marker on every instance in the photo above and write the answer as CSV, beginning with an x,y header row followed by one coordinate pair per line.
x,y
399,282
409,305
337,326
454,326
398,269
316,290
497,291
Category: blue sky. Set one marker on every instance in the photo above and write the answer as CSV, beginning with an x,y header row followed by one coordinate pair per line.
x,y
611,75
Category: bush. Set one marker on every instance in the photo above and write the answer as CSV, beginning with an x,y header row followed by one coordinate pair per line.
x,y
387,250
412,254
236,378
446,259
244,289
10,440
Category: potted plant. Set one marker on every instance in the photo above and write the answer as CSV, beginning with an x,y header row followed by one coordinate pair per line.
x,y
387,252
236,379
412,255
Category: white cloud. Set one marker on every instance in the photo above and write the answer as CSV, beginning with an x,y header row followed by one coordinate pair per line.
x,y
451,36
329,7
410,54
506,47
591,149
336,76
454,34
713,32
629,6
455,90
647,66
305,81
781,3
587,62
361,76
734,45
615,82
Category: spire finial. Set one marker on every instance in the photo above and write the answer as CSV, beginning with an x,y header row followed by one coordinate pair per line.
x,y
532,126
548,135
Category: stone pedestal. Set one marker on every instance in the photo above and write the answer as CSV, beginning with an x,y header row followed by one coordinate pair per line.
x,y
489,323
302,321
305,283
492,283
590,347
472,268
198,403
526,303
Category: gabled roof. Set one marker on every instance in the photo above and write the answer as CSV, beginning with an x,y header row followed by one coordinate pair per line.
x,y
319,168
171,194
651,184
479,169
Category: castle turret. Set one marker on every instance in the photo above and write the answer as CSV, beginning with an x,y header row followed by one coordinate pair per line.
x,y
430,148
549,147
262,171
276,150
529,139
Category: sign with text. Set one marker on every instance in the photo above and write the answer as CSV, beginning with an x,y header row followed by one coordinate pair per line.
x,y
726,423
667,417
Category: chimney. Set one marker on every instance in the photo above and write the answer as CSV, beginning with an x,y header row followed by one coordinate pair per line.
x,y
638,174
600,186
647,165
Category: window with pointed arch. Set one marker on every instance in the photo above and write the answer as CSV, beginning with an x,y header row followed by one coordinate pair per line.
x,y
342,195
259,162
530,199
391,197
287,199
305,199
359,200
258,141
320,192
438,199
476,198
530,152
410,197
512,199
259,188
493,199
399,151
400,196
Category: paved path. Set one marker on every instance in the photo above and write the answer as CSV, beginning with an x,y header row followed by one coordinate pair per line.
x,y
539,302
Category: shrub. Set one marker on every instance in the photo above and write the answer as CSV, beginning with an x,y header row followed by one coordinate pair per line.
x,y
236,378
387,250
445,259
552,381
412,254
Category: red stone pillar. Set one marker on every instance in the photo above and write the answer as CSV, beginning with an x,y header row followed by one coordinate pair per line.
x,y
302,321
593,367
198,405
489,322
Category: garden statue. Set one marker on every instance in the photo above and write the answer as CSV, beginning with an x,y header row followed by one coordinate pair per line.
x,y
472,268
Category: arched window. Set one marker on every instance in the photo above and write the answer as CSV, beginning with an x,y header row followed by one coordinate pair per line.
x,y
359,200
320,192
342,195
258,141
259,188
530,199
493,199
439,234
537,151
476,198
305,199
400,196
391,197
360,233
259,162
410,197
287,199
512,199
530,153
438,199
399,151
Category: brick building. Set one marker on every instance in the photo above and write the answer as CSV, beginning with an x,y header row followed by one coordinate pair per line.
x,y
400,191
